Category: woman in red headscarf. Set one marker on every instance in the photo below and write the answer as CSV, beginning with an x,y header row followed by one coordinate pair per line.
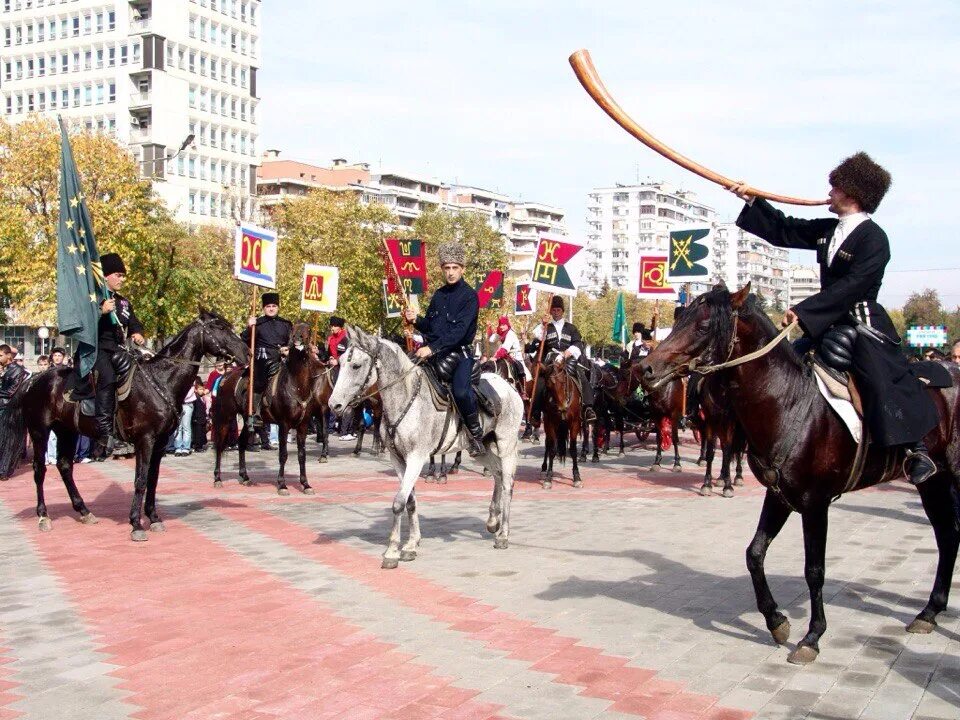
x,y
509,344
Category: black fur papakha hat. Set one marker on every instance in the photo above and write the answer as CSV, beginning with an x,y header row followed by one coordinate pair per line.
x,y
270,298
556,302
862,179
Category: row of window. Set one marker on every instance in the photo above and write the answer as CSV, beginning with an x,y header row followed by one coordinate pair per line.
x,y
61,98
217,205
225,71
230,7
94,21
222,103
95,57
222,35
223,138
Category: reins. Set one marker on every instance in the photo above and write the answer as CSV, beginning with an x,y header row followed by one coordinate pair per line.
x,y
743,359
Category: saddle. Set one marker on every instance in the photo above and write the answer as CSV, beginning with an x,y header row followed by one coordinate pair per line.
x,y
442,396
240,392
82,391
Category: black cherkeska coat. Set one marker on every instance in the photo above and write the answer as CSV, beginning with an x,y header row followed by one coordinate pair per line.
x,y
897,409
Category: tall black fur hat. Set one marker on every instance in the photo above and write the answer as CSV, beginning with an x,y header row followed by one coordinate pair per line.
x,y
556,302
336,321
112,263
270,298
638,327
862,179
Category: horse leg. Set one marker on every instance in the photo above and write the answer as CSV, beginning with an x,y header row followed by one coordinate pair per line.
x,y
408,478
659,456
153,477
457,459
505,476
302,457
738,478
708,449
431,476
739,445
325,446
703,447
39,440
361,431
596,443
242,452
815,550
544,477
941,503
574,434
586,444
144,451
220,432
675,436
409,550
773,516
442,477
65,466
282,454
725,457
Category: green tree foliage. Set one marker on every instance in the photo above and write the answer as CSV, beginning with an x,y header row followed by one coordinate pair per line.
x,y
923,308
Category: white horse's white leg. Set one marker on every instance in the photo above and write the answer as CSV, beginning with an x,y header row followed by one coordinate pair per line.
x,y
496,502
409,549
508,471
408,477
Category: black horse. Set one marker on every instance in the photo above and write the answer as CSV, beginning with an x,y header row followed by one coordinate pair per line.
x,y
800,449
145,418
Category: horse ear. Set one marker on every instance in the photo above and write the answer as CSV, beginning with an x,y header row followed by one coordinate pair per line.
x,y
202,312
740,296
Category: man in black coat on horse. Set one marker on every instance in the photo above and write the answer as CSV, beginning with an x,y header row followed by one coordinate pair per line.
x,y
852,252
271,342
448,329
117,322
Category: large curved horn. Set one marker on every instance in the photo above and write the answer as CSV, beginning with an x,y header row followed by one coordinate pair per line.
x,y
587,75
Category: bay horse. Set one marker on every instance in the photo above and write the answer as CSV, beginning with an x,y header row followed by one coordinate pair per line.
x,y
146,417
561,421
720,424
292,397
413,429
665,401
801,451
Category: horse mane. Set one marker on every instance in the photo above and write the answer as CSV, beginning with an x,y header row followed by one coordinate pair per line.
x,y
172,346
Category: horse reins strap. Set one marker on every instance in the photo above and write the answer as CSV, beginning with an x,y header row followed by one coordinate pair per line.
x,y
749,357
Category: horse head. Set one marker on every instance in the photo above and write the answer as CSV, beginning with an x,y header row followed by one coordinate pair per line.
x,y
704,334
358,369
300,336
217,338
559,386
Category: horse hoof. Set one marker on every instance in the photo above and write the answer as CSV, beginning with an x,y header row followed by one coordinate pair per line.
x,y
389,563
655,468
429,479
323,458
677,468
781,633
218,484
453,471
547,485
89,519
246,482
621,453
493,525
138,535
578,483
705,490
46,525
699,463
442,480
921,627
501,544
157,527
283,491
802,655
738,482
728,492
408,555
595,459
307,490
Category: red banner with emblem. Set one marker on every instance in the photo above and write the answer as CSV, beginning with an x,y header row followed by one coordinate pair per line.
x,y
490,290
409,257
653,278
525,299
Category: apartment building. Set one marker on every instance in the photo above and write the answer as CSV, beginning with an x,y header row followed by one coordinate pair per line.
x,y
174,80
804,282
740,257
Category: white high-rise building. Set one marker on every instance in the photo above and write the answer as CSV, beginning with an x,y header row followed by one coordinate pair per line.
x,y
160,75
626,221
740,257
804,282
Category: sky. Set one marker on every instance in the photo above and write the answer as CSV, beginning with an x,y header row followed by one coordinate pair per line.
x,y
776,93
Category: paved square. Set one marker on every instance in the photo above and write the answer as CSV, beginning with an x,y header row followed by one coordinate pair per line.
x,y
628,598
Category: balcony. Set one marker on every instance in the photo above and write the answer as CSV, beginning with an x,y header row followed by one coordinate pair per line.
x,y
140,100
140,135
140,26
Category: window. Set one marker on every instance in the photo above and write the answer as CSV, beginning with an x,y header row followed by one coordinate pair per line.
x,y
136,52
41,66
111,56
76,97
76,62
64,98
193,202
6,37
41,28
243,77
111,20
193,61
87,94
193,26
87,24
193,95
75,21
88,60
100,94
192,166
30,68
9,104
123,54
99,57
112,97
64,63
53,99
64,27
99,22
19,69
30,107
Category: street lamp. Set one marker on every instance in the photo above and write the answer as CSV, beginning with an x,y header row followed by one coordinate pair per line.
x,y
43,332
187,142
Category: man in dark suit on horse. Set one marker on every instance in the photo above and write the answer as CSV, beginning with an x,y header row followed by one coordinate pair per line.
x,y
844,318
112,336
640,347
563,344
448,329
271,342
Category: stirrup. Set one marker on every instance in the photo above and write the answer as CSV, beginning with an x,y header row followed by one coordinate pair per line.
x,y
918,466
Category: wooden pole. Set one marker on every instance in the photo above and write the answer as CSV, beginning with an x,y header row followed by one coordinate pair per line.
x,y
316,325
253,339
407,326
536,369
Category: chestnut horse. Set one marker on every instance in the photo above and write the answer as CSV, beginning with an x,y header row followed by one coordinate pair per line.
x,y
800,449
561,421
720,424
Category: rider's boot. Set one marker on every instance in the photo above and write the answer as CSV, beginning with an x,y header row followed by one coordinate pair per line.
x,y
255,421
528,432
919,466
264,434
475,431
105,402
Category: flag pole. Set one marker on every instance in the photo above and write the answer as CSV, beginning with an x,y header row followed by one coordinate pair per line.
x,y
536,369
253,338
407,326
316,325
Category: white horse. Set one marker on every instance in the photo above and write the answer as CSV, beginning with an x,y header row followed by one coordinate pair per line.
x,y
413,429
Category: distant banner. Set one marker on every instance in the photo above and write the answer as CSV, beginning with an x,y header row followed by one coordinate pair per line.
x,y
321,284
688,255
558,264
410,258
653,279
927,336
255,256
525,300
392,303
490,290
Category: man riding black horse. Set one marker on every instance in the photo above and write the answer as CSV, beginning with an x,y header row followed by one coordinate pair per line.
x,y
117,323
271,342
844,318
449,328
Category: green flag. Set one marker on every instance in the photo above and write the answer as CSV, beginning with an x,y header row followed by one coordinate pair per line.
x,y
80,284
619,333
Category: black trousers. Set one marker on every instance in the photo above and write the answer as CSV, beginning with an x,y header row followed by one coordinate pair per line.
x,y
460,385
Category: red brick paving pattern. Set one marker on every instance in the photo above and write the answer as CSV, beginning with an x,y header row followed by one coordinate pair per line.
x,y
7,688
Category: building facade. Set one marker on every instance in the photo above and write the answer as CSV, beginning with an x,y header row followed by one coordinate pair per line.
x,y
174,80
804,282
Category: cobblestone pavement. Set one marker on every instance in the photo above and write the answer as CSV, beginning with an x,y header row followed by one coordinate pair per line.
x,y
628,598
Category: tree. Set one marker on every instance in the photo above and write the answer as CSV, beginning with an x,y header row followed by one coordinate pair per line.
x,y
923,308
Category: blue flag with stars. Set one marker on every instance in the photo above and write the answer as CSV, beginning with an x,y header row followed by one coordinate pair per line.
x,y
80,284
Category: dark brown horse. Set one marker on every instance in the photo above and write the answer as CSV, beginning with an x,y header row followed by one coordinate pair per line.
x,y
665,401
291,399
802,452
719,425
561,421
146,417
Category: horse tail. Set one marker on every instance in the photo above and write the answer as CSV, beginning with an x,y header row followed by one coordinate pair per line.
x,y
13,431
562,433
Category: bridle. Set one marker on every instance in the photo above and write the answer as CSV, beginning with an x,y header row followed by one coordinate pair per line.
x,y
218,351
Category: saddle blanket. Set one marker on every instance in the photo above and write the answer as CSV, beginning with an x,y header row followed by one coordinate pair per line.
x,y
844,408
